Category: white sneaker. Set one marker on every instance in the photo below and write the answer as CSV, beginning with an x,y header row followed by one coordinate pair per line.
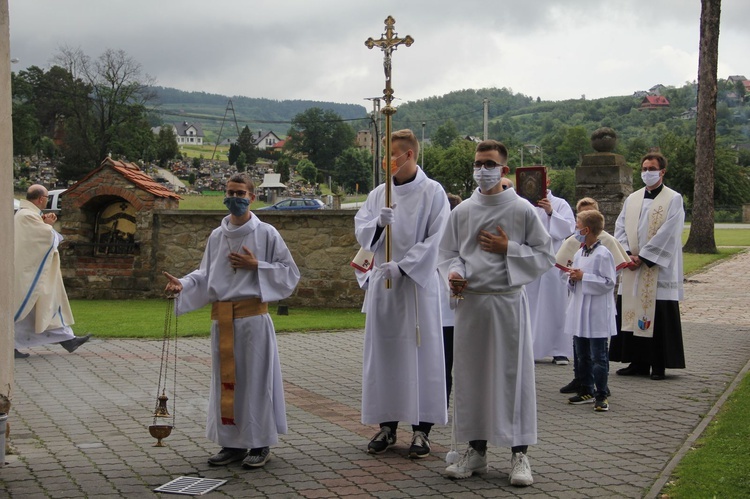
x,y
520,473
471,462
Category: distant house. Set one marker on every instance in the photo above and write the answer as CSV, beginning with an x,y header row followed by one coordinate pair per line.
x,y
746,84
278,146
265,140
188,133
736,78
472,138
640,94
654,102
227,142
656,89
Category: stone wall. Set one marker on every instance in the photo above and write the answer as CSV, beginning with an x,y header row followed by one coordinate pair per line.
x,y
322,244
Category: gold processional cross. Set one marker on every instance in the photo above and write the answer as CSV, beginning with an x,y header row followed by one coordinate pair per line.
x,y
388,42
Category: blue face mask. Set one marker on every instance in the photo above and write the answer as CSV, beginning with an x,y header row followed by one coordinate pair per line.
x,y
237,206
581,238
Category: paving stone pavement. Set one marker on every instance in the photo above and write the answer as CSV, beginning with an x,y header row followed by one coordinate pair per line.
x,y
79,422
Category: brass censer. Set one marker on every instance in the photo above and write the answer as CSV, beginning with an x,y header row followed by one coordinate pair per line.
x,y
161,428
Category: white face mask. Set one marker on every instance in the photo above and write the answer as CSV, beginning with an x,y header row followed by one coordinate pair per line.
x,y
487,178
651,178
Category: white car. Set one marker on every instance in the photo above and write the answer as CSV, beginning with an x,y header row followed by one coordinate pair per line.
x,y
53,203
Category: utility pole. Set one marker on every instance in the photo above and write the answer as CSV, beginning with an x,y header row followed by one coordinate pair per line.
x,y
422,146
376,140
486,103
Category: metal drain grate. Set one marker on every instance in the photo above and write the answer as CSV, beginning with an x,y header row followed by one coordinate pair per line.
x,y
190,486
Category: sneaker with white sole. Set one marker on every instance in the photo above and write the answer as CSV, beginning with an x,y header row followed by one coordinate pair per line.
x,y
382,440
520,473
257,458
560,360
471,462
420,445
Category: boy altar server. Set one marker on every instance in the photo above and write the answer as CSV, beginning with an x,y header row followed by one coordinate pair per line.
x,y
246,264
496,242
590,317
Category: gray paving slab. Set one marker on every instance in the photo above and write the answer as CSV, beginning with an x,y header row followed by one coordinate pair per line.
x,y
79,423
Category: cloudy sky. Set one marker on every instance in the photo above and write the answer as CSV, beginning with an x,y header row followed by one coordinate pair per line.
x,y
314,49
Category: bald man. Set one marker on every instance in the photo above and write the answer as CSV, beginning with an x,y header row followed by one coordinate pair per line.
x,y
41,310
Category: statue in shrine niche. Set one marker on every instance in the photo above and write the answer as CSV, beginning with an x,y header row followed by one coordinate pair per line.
x,y
115,229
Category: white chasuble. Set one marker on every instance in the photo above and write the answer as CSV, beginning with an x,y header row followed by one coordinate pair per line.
x,y
494,384
259,408
403,373
41,311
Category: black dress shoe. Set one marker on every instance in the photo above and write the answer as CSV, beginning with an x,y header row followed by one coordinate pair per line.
x,y
72,344
658,375
19,355
634,370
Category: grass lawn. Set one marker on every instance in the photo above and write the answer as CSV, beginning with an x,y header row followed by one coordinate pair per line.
x,y
145,319
726,237
718,464
211,200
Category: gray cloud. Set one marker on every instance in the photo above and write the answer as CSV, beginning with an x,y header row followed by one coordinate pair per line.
x,y
315,50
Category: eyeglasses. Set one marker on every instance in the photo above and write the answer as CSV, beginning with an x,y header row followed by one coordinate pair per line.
x,y
239,194
650,169
489,164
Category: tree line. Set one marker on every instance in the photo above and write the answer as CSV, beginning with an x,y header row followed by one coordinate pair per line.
x,y
83,109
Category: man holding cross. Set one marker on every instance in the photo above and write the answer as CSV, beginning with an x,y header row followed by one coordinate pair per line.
x,y
403,376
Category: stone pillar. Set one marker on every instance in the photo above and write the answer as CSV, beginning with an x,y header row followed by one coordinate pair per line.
x,y
746,213
605,176
7,340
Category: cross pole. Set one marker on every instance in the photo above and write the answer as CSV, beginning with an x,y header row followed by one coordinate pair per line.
x,y
388,42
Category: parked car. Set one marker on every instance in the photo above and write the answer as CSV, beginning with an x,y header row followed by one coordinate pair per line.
x,y
296,204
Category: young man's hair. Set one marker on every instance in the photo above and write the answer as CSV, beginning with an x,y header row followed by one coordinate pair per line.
x,y
243,178
586,203
454,200
408,138
593,220
658,157
493,145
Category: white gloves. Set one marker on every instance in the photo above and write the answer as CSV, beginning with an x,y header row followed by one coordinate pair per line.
x,y
391,270
386,216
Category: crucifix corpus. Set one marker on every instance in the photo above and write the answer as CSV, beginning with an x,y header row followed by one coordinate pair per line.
x,y
388,42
